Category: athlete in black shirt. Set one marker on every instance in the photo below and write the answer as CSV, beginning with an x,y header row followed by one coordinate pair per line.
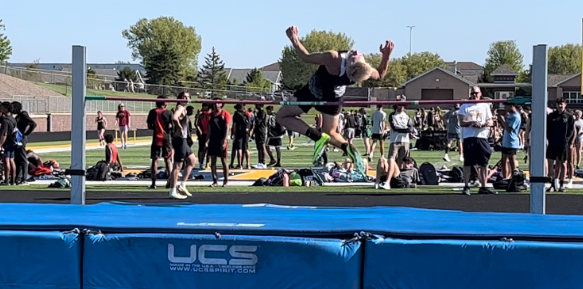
x,y
8,142
240,134
26,126
260,133
336,70
560,138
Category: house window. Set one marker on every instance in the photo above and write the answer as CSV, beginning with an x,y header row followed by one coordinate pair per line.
x,y
573,96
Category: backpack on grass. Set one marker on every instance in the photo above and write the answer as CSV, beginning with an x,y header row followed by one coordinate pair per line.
x,y
428,175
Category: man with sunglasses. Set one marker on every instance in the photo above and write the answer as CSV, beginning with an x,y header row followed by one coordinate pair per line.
x,y
560,139
475,122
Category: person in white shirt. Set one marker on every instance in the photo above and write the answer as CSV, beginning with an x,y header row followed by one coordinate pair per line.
x,y
401,125
379,124
475,120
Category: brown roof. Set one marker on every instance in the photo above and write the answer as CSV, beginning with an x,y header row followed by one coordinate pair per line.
x,y
504,69
554,79
471,78
465,65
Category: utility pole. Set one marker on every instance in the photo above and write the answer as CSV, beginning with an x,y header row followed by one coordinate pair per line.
x,y
410,39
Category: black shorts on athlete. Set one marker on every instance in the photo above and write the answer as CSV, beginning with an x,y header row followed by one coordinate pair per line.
x,y
557,153
181,149
377,136
508,151
325,109
274,142
241,142
477,152
158,152
202,141
216,149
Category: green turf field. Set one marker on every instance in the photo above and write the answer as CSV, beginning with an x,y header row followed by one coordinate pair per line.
x,y
293,159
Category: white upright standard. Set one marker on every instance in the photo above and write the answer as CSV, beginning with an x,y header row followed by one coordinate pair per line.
x,y
538,137
78,128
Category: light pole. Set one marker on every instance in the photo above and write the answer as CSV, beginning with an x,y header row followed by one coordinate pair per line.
x,y
410,38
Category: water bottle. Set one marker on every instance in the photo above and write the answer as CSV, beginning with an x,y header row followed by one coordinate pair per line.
x,y
285,180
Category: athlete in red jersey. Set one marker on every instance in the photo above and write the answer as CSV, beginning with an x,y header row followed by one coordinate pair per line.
x,y
111,154
217,141
202,128
160,122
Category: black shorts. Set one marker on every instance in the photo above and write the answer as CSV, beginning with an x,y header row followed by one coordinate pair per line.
x,y
377,136
260,138
557,153
325,109
477,152
181,149
274,142
508,151
241,142
216,149
163,151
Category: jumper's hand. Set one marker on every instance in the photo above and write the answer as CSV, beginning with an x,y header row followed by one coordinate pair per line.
x,y
292,32
388,49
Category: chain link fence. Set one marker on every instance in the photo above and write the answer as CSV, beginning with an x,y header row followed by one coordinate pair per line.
x,y
60,104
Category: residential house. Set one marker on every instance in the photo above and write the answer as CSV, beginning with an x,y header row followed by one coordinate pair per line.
x,y
566,86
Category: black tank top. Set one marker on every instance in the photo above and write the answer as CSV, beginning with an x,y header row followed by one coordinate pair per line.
x,y
325,86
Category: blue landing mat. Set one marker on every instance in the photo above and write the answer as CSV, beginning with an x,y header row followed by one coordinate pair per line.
x,y
150,261
454,264
285,221
40,260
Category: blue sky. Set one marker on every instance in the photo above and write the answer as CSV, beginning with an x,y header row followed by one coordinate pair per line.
x,y
251,33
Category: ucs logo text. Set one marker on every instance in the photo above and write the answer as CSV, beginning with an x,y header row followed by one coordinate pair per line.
x,y
240,255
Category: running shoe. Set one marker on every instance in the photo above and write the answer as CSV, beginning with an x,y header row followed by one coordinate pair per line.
x,y
319,147
182,189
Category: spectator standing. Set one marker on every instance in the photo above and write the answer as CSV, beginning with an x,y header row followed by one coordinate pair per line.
x,y
510,139
561,139
160,122
475,122
8,143
25,126
578,138
101,125
379,123
202,129
260,134
123,122
453,133
401,125
217,141
182,151
240,133
276,132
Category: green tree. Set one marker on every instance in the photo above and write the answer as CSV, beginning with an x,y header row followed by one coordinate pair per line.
x,y
163,66
402,69
92,78
419,63
294,72
256,81
5,46
565,59
213,75
146,38
126,73
503,52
